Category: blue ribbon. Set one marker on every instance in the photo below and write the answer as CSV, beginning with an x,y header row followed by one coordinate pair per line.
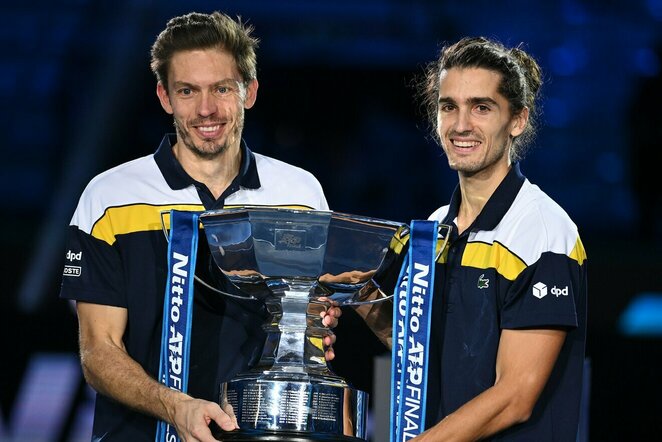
x,y
412,312
178,310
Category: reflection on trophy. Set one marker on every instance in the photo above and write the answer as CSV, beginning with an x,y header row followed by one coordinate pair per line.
x,y
297,262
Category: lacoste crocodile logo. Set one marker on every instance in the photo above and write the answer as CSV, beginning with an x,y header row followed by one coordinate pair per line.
x,y
483,282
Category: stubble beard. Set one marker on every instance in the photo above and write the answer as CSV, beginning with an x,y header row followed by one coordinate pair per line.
x,y
471,167
209,148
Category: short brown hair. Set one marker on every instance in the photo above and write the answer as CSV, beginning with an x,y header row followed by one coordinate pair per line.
x,y
204,31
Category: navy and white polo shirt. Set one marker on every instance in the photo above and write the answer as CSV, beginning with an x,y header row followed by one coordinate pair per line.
x,y
117,256
521,264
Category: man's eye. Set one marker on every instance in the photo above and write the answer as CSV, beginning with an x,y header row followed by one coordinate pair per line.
x,y
185,91
482,108
223,89
446,107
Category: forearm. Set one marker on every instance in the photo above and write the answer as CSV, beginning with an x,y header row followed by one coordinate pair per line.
x,y
488,413
112,372
379,318
524,362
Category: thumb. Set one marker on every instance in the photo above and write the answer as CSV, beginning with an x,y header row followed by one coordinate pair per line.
x,y
225,418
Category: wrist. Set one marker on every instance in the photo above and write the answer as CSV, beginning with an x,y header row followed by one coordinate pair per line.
x,y
169,400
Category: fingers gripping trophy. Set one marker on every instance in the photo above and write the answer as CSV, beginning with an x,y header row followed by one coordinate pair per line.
x,y
298,263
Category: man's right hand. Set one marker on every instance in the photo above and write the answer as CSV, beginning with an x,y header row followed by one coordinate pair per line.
x,y
112,372
191,417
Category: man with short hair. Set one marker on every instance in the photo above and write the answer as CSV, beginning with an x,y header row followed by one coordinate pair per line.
x,y
205,65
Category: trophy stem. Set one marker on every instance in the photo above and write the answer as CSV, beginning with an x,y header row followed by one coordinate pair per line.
x,y
292,394
295,333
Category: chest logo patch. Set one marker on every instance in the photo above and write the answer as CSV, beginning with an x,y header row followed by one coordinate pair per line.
x,y
483,282
539,290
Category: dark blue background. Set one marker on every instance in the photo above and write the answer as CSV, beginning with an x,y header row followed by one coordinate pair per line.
x,y
335,98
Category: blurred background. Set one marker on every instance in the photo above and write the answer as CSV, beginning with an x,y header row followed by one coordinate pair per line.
x,y
336,98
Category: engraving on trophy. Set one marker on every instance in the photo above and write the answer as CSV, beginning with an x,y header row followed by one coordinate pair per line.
x,y
289,239
324,406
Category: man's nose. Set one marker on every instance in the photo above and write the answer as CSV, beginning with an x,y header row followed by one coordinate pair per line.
x,y
207,105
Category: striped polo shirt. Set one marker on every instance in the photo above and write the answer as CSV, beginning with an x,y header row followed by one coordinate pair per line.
x,y
117,256
521,264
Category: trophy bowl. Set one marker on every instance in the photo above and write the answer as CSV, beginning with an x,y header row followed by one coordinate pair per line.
x,y
298,263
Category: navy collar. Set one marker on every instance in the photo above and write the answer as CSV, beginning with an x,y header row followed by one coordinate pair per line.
x,y
496,207
177,178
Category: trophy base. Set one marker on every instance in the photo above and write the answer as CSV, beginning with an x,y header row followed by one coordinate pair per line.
x,y
274,409
281,436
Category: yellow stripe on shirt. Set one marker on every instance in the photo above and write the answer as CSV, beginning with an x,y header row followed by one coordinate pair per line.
x,y
146,217
493,256
135,218
578,252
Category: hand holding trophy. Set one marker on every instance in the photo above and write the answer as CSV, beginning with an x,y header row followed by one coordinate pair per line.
x,y
299,263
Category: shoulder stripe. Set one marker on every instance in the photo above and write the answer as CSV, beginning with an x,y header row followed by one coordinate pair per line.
x,y
506,263
495,256
133,218
578,252
121,220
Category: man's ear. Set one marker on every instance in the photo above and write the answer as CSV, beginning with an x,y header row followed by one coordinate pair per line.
x,y
251,94
162,93
519,122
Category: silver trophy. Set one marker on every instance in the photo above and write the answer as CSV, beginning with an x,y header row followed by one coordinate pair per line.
x,y
296,262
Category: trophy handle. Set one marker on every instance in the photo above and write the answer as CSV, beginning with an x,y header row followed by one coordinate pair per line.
x,y
444,237
375,292
221,292
195,277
